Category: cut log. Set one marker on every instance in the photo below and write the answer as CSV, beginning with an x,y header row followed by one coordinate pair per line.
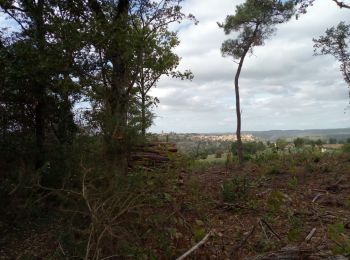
x,y
153,155
149,156
172,150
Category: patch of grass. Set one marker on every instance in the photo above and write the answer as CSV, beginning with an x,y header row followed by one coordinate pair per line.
x,y
336,232
199,233
213,158
293,182
262,245
275,201
295,231
347,203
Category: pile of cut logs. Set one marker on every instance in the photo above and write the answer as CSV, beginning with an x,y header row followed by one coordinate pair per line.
x,y
153,155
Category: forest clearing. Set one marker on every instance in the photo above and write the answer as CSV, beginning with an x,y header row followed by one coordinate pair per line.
x,y
124,131
289,205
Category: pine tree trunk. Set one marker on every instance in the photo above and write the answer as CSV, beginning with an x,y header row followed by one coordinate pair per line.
x,y
238,109
238,104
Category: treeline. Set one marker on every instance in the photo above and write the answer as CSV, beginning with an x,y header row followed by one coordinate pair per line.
x,y
81,68
75,78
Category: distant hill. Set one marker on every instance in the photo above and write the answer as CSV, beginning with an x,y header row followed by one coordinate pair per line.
x,y
323,134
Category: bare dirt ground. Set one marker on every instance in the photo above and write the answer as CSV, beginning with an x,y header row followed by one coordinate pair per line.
x,y
298,214
299,211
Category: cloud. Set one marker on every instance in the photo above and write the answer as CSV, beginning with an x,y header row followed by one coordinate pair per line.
x,y
282,85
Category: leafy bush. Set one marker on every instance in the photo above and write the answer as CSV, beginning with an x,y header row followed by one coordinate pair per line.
x,y
249,148
299,142
218,154
346,148
235,190
275,200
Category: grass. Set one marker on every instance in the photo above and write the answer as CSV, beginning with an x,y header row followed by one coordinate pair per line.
x,y
212,158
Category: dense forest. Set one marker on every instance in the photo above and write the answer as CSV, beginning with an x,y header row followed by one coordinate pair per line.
x,y
81,177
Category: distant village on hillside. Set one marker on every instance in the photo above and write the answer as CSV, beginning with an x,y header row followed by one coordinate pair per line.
x,y
201,145
326,135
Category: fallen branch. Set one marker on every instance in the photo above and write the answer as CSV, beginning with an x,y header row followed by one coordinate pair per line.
x,y
61,248
310,235
288,252
316,197
270,228
195,247
263,229
243,241
338,244
320,190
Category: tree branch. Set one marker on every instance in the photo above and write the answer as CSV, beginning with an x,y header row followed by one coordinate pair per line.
x,y
341,4
16,20
195,247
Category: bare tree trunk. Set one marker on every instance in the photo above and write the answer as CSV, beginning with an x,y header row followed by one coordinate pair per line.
x,y
143,98
39,133
40,91
143,115
117,103
238,109
238,102
119,97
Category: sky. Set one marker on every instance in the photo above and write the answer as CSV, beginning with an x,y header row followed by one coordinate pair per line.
x,y
282,85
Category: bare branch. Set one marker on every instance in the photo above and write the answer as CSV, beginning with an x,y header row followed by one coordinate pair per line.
x,y
341,4
195,247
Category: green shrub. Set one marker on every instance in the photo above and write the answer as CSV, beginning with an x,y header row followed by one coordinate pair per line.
x,y
295,231
293,182
346,148
275,201
249,148
235,190
218,154
336,233
273,170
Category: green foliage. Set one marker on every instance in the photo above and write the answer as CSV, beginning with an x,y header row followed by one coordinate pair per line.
x,y
347,203
336,42
275,201
249,148
299,142
255,21
293,182
199,233
281,144
346,148
295,231
342,242
266,157
235,190
273,169
70,115
218,154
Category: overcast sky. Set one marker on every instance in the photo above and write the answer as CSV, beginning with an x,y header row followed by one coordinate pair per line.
x,y
282,86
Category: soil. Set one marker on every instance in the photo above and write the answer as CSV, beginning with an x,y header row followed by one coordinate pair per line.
x,y
300,212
